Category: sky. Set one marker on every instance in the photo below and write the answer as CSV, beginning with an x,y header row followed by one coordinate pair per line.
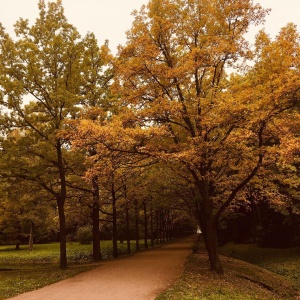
x,y
109,19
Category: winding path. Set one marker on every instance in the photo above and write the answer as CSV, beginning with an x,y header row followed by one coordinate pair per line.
x,y
138,277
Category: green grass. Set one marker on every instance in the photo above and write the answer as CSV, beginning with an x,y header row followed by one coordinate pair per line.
x,y
285,262
241,281
22,271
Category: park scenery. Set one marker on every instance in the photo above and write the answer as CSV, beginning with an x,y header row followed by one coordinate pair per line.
x,y
188,136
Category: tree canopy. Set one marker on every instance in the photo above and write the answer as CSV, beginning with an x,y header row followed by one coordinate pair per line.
x,y
185,118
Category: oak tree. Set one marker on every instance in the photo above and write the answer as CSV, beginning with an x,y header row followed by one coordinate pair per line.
x,y
171,73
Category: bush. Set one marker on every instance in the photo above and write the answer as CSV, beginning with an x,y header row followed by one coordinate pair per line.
x,y
84,235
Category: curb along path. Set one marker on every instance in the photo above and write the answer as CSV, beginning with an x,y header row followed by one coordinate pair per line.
x,y
138,277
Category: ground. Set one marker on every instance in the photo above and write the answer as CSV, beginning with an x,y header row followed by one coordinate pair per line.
x,y
138,277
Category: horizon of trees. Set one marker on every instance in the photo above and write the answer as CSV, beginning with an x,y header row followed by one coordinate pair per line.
x,y
186,126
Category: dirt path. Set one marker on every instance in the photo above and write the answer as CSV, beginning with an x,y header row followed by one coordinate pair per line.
x,y
139,277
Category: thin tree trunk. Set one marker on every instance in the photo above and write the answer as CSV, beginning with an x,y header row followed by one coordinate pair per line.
x,y
145,225
137,246
128,229
158,228
30,244
151,228
96,221
115,232
163,236
61,199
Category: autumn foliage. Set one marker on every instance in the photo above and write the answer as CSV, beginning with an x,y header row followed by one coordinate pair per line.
x,y
187,117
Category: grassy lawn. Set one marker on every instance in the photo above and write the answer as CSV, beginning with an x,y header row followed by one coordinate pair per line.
x,y
241,281
22,271
285,262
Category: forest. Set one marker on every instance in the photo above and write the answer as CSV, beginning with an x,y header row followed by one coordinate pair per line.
x,y
187,127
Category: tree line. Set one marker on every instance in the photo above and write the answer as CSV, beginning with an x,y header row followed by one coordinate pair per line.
x,y
186,126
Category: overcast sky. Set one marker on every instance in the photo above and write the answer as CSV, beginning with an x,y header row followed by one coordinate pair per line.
x,y
109,19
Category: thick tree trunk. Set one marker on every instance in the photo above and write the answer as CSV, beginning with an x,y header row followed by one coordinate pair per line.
x,y
212,248
95,220
63,235
208,224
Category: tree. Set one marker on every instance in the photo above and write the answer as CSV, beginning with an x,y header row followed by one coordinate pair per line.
x,y
96,103
26,213
45,63
172,75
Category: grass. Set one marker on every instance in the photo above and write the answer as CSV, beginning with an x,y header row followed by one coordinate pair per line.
x,y
22,271
241,281
285,262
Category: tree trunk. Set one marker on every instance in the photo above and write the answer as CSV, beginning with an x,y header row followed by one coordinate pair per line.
x,y
17,248
61,199
151,228
137,246
95,220
128,229
208,225
163,232
158,228
212,248
63,235
115,232
30,245
145,225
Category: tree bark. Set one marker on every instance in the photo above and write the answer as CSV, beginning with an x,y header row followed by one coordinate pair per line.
x,y
137,246
61,199
128,229
212,248
63,235
96,221
115,231
151,228
145,225
30,244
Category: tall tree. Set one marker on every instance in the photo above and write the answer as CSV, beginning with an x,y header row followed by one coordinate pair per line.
x,y
45,64
172,74
97,104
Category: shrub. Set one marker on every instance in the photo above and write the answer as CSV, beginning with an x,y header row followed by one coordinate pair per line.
x,y
84,235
